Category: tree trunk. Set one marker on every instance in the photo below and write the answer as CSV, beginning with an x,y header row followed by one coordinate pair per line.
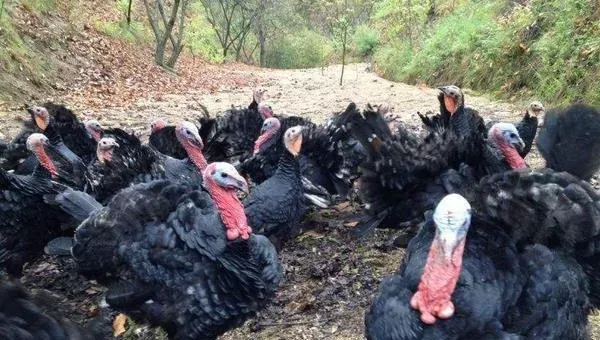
x,y
343,53
261,42
162,37
129,13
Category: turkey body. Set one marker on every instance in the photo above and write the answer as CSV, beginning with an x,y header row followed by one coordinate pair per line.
x,y
277,204
28,222
503,291
230,136
165,142
167,242
21,319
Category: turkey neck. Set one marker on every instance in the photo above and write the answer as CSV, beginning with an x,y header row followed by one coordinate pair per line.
x,y
459,121
288,166
229,206
56,140
511,155
46,162
439,279
266,140
196,156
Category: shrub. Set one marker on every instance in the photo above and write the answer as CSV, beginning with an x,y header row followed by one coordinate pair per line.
x,y
200,37
365,39
301,50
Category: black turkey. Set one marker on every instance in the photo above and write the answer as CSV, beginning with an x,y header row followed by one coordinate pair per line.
x,y
185,257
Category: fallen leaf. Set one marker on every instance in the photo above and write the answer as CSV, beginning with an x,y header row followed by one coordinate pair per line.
x,y
342,206
351,224
119,325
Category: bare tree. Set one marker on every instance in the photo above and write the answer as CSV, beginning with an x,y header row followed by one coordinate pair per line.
x,y
231,20
163,29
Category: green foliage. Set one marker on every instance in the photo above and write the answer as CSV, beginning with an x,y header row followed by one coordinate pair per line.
x,y
200,37
42,6
135,32
301,50
19,59
365,40
548,49
400,18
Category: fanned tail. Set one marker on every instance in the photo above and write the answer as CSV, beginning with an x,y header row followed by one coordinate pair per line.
x,y
315,194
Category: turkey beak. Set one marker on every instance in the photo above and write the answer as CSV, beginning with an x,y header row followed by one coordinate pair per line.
x,y
537,112
197,141
519,144
297,143
448,243
238,182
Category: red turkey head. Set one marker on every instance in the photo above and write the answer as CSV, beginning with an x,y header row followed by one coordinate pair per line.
x,y
94,129
506,138
41,117
222,181
265,111
157,125
258,95
37,144
536,108
105,149
187,134
453,98
268,135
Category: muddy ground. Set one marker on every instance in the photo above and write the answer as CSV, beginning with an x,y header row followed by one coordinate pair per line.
x,y
330,276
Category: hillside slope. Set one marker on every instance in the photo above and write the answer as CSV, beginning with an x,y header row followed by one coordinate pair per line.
x,y
55,50
549,49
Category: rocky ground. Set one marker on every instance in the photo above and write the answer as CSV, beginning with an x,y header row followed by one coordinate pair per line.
x,y
330,276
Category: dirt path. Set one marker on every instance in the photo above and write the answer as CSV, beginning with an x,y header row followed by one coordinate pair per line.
x,y
313,92
330,277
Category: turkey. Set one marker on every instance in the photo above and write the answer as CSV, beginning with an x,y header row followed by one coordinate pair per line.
x,y
569,140
186,258
453,114
163,139
464,277
528,126
49,126
231,136
122,137
275,206
67,125
406,174
28,222
321,160
23,318
121,165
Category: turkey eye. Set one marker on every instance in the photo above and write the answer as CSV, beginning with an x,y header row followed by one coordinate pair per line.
x,y
224,175
512,135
